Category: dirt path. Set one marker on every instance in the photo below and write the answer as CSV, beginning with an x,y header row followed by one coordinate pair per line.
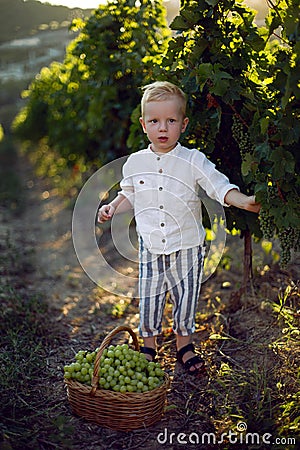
x,y
85,312
46,228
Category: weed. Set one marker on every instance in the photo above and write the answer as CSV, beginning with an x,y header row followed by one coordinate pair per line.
x,y
26,341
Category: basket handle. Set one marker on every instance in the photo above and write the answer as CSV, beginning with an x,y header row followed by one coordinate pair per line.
x,y
106,341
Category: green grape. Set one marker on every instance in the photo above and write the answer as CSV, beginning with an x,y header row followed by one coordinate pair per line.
x,y
82,368
140,385
80,355
151,365
267,224
89,357
121,369
272,191
77,367
241,136
87,378
286,238
110,354
159,372
151,381
118,352
130,373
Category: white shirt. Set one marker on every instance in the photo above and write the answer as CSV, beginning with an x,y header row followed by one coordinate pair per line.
x,y
164,192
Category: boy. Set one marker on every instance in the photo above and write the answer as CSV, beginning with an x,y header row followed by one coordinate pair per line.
x,y
161,184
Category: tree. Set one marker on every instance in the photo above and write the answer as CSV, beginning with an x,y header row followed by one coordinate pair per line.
x,y
83,105
244,106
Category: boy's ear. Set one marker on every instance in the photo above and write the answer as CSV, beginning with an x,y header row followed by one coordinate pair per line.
x,y
184,124
143,124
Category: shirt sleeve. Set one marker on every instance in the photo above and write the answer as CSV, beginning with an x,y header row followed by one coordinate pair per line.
x,y
126,183
214,182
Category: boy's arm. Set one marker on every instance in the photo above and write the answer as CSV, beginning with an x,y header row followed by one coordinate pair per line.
x,y
119,205
242,201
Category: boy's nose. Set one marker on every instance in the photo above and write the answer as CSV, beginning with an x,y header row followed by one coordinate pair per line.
x,y
163,126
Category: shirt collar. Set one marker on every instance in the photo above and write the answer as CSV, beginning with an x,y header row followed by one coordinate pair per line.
x,y
173,152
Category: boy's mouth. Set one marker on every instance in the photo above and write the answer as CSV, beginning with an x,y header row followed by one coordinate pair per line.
x,y
163,139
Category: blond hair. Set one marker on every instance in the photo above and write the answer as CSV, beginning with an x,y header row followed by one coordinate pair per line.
x,y
160,91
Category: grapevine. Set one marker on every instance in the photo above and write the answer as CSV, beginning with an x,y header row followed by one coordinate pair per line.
x,y
122,369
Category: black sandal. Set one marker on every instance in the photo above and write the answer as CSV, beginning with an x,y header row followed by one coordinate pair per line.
x,y
149,351
192,361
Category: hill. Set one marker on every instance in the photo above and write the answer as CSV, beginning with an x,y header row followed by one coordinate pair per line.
x,y
19,18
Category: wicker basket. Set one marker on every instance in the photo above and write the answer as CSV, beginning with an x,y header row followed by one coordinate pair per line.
x,y
116,410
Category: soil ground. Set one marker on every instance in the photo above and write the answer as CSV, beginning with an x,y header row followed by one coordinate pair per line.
x,y
232,331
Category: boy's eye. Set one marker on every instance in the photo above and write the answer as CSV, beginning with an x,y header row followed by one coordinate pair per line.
x,y
153,121
172,120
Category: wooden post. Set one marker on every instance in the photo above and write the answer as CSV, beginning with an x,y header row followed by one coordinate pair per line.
x,y
248,270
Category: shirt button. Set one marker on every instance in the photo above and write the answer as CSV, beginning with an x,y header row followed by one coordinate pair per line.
x,y
161,207
162,224
160,188
160,171
158,158
163,241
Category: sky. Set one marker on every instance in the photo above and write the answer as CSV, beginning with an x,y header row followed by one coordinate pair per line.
x,y
85,4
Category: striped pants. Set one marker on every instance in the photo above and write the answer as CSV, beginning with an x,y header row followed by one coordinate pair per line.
x,y
179,274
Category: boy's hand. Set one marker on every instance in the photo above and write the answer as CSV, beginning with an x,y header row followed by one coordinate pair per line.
x,y
251,205
105,213
242,201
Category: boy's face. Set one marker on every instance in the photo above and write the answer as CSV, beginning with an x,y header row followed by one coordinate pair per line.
x,y
163,122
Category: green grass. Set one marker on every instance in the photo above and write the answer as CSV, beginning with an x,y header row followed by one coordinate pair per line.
x,y
28,338
263,392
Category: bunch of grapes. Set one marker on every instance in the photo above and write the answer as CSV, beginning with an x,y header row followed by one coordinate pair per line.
x,y
288,238
82,368
122,369
267,223
272,192
241,136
